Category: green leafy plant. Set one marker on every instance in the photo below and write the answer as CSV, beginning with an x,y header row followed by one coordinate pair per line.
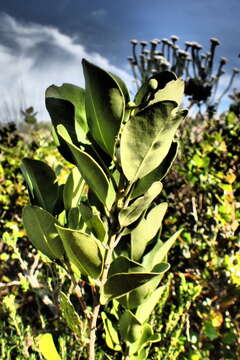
x,y
103,226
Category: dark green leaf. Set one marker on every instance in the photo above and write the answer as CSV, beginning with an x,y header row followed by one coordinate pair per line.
x,y
40,227
42,184
91,172
105,106
70,315
76,122
120,284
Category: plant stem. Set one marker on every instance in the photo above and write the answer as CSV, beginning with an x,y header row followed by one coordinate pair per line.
x,y
96,295
91,348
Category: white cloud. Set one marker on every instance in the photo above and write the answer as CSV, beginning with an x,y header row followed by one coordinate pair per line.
x,y
34,56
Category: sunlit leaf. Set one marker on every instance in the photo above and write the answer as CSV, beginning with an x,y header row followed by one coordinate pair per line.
x,y
157,174
157,127
47,347
129,327
83,251
104,105
131,213
146,230
159,251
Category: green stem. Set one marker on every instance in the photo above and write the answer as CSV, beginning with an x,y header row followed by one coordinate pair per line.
x,y
114,238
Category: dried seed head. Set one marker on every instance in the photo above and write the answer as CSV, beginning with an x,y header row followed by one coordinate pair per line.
x,y
198,46
188,43
223,60
134,42
183,53
164,41
236,70
176,47
154,42
146,52
143,43
130,59
174,38
215,41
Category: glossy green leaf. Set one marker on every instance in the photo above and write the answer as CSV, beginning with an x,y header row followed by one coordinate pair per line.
x,y
40,227
157,174
159,251
84,251
146,230
144,310
111,334
157,127
73,189
42,184
70,315
119,284
105,105
131,213
129,327
74,117
91,172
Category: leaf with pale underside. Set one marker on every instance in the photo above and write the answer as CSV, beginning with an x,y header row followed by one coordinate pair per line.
x,y
131,213
70,315
159,251
147,137
173,91
146,230
144,310
157,174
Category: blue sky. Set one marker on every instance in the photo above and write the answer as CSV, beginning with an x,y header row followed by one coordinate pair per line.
x,y
42,42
